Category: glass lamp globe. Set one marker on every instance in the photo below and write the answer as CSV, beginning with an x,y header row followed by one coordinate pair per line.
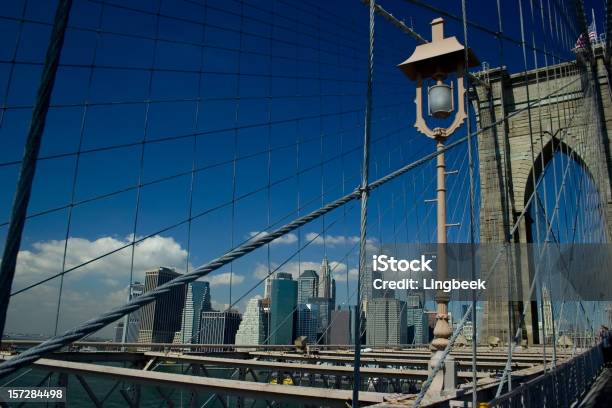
x,y
440,101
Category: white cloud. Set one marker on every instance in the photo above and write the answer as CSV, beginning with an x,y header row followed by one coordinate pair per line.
x,y
219,305
314,238
88,291
331,240
341,277
339,240
45,258
286,239
220,279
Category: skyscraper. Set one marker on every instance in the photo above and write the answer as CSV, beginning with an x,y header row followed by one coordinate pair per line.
x,y
161,319
386,322
197,299
416,320
333,294
219,327
308,321
418,329
324,297
468,331
119,332
131,321
325,285
325,308
283,300
341,329
547,315
308,286
268,287
268,283
368,291
254,326
307,314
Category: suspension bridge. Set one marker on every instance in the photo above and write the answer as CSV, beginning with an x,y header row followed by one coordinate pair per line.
x,y
170,169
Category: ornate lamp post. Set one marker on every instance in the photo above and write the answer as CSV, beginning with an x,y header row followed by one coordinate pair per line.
x,y
435,61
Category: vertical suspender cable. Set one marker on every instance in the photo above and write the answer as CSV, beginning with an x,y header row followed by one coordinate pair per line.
x,y
471,176
554,166
141,159
543,167
364,209
30,156
75,173
236,141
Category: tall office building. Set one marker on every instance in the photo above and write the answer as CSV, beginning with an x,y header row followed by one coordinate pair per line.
x,y
468,331
368,290
341,329
268,287
386,322
119,332
196,300
308,286
325,308
416,320
468,327
219,327
283,300
161,319
324,297
333,294
547,315
254,326
131,321
325,285
308,321
268,283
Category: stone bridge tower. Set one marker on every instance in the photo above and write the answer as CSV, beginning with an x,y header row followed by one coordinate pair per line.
x,y
552,109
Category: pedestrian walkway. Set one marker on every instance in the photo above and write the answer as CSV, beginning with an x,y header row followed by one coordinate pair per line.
x,y
600,394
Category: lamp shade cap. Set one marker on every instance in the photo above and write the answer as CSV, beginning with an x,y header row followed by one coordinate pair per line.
x,y
441,55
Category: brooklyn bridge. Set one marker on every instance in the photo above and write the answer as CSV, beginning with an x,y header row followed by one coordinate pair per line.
x,y
196,194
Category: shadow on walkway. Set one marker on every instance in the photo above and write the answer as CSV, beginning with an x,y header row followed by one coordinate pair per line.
x,y
600,394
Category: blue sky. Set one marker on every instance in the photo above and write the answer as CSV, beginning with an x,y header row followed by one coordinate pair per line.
x,y
249,111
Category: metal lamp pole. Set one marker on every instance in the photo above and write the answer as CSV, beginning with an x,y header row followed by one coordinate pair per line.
x,y
436,60
442,330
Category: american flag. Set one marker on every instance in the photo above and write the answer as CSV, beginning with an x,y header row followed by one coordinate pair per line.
x,y
580,43
592,29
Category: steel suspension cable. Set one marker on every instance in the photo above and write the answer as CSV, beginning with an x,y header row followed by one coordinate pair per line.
x,y
471,200
364,192
75,173
32,148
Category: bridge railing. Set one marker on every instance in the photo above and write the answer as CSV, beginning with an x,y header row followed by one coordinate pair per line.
x,y
561,386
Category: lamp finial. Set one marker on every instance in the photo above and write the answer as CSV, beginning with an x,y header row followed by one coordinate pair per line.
x,y
437,29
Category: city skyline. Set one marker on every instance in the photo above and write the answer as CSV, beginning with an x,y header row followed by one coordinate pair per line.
x,y
198,198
